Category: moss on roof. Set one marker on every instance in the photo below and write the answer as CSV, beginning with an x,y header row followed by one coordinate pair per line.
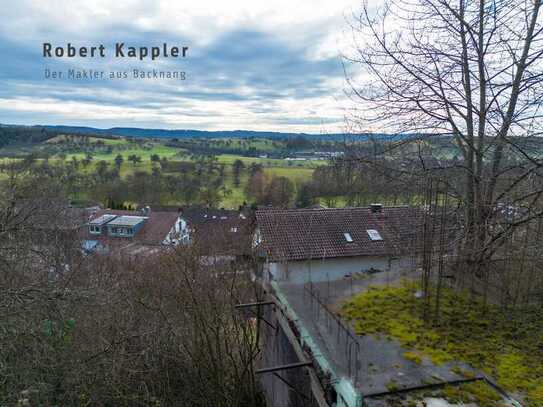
x,y
477,393
506,344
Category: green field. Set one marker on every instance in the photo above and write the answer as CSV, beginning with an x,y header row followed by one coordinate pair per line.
x,y
65,148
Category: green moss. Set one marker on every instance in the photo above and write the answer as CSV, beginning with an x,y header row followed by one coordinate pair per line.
x,y
439,356
453,394
413,357
511,369
392,386
505,345
483,395
536,392
462,372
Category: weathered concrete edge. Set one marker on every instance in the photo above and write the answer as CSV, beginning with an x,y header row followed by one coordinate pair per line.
x,y
342,385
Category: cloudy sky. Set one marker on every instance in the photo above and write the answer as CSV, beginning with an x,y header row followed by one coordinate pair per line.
x,y
257,65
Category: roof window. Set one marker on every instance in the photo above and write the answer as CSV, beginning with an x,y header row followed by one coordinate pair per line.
x,y
374,235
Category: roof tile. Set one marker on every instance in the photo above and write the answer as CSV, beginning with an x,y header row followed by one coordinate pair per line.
x,y
298,234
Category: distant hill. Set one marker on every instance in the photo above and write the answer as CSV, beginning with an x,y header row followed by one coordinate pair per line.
x,y
164,133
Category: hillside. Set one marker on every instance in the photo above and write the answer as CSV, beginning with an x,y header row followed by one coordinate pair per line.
x,y
189,133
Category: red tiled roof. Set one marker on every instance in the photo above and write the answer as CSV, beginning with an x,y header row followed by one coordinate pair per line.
x,y
223,236
298,234
153,232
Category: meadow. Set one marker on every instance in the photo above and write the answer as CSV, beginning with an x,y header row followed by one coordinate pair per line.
x,y
67,148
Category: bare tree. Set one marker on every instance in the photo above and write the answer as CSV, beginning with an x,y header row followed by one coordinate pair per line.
x,y
79,329
471,70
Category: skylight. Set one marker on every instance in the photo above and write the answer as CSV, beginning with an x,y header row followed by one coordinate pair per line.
x,y
102,220
348,237
374,235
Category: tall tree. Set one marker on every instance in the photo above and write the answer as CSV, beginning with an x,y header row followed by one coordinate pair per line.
x,y
237,167
254,168
119,160
134,159
280,191
257,187
101,169
469,69
304,197
87,160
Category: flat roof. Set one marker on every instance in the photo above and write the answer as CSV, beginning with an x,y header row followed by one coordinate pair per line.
x,y
127,220
380,360
102,220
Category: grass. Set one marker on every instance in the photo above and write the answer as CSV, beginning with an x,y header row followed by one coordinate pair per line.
x,y
295,174
145,154
508,346
296,171
107,141
267,162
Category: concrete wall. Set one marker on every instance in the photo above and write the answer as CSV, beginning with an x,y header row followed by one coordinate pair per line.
x,y
277,350
330,269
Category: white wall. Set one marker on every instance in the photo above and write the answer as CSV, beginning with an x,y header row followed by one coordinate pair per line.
x,y
179,233
332,269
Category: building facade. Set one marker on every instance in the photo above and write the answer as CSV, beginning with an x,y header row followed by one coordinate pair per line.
x,y
302,245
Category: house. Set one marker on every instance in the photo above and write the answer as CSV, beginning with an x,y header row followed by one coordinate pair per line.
x,y
219,232
321,244
216,233
311,352
134,232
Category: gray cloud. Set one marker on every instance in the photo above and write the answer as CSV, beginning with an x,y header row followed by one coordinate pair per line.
x,y
240,70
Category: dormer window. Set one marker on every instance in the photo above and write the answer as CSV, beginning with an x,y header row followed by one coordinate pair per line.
x,y
348,237
95,225
126,225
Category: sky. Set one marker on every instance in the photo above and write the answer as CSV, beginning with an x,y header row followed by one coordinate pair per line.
x,y
252,65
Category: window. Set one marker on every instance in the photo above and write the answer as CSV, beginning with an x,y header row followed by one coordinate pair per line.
x,y
374,235
348,237
95,229
233,229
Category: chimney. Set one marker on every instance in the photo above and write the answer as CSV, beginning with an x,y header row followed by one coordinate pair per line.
x,y
376,207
